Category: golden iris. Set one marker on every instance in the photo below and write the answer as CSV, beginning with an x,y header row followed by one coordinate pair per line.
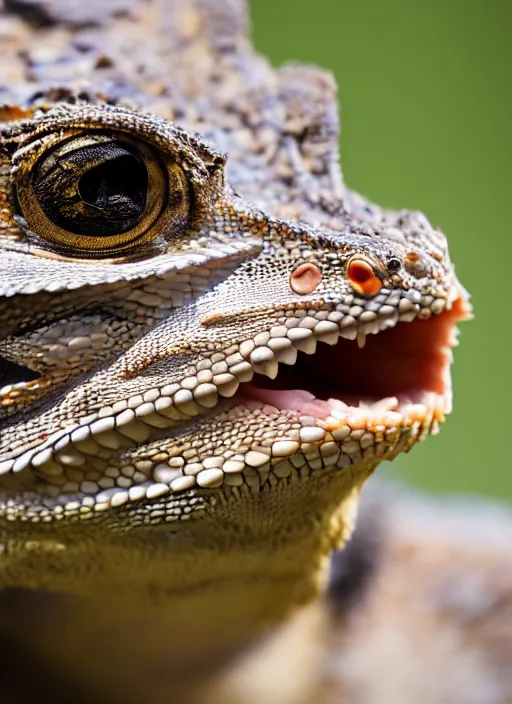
x,y
100,193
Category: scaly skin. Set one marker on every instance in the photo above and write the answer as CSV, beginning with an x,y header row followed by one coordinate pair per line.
x,y
144,483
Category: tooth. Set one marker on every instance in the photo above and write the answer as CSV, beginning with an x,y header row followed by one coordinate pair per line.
x,y
326,327
338,409
269,369
454,334
288,356
243,371
349,334
226,384
431,399
389,403
228,390
307,345
348,321
331,339
407,317
387,323
184,402
279,343
165,408
361,340
371,328
327,331
335,403
368,316
206,394
393,418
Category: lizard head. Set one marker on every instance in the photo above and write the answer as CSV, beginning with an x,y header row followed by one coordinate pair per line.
x,y
175,358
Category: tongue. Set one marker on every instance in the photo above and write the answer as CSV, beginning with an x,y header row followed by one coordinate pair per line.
x,y
292,400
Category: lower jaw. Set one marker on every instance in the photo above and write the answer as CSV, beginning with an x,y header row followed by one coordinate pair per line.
x,y
310,436
303,434
325,436
403,410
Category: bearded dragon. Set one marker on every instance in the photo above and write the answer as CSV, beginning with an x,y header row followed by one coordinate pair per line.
x,y
208,344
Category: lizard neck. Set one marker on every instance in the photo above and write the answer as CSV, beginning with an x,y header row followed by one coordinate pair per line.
x,y
195,598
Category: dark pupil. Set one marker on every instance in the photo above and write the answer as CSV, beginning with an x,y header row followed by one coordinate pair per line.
x,y
117,187
109,198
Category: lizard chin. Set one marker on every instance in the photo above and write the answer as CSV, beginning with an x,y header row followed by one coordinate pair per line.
x,y
404,370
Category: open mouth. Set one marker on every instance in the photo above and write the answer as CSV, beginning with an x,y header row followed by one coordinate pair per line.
x,y
397,369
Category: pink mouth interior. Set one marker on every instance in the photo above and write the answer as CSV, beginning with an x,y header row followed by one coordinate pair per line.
x,y
407,362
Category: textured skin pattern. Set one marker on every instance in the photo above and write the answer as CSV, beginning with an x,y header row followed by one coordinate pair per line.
x,y
177,458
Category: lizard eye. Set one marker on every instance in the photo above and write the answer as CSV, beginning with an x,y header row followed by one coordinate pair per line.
x,y
101,193
394,265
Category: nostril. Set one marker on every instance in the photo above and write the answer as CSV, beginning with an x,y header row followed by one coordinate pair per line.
x,y
362,277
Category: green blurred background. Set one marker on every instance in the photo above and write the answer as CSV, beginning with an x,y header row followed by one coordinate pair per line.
x,y
426,95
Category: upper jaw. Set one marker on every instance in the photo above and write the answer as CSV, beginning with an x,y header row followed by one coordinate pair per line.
x,y
340,406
